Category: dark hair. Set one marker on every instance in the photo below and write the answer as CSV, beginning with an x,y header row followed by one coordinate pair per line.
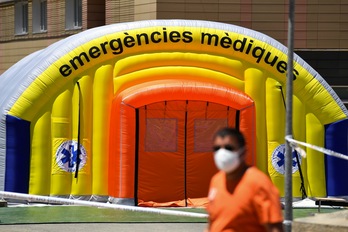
x,y
228,131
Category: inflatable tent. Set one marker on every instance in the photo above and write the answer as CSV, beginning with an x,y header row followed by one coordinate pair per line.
x,y
127,112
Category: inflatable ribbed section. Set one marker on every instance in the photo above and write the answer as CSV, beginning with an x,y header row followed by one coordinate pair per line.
x,y
61,161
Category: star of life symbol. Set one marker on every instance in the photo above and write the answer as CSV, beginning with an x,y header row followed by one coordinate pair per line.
x,y
66,156
278,159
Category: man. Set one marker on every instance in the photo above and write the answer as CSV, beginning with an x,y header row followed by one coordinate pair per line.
x,y
241,198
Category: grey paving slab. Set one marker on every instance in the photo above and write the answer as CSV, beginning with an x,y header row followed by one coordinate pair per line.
x,y
324,222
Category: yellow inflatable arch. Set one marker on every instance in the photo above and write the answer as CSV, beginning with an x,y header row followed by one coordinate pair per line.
x,y
80,117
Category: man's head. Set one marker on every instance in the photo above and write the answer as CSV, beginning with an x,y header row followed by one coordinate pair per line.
x,y
229,149
229,136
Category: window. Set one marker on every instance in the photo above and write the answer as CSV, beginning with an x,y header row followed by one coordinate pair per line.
x,y
161,135
39,16
204,131
73,14
21,17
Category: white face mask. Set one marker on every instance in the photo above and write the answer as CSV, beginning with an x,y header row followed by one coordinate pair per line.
x,y
226,160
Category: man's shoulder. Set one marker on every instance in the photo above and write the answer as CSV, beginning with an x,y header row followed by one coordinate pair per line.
x,y
256,175
219,176
254,169
260,182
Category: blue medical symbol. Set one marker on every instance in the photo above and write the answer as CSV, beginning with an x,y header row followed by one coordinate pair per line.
x,y
70,156
69,153
281,160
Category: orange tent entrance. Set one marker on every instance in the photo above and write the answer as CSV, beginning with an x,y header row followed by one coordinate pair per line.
x,y
174,159
161,143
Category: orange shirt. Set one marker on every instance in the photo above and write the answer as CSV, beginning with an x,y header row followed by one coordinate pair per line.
x,y
253,203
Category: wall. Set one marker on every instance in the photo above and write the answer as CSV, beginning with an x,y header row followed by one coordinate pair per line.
x,y
319,25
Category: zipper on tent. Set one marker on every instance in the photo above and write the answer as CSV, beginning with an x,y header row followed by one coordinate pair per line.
x,y
78,132
206,111
185,155
136,171
237,119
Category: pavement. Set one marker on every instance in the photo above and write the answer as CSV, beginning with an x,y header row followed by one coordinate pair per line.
x,y
324,222
106,227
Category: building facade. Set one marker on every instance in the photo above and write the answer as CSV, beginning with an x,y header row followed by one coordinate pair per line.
x,y
321,27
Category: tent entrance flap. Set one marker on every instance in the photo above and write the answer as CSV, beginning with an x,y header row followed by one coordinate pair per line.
x,y
174,160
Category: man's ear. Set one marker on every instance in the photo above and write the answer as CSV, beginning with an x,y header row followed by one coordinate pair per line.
x,y
242,152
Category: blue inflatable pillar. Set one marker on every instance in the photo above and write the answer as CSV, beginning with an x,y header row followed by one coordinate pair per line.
x,y
336,138
17,155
